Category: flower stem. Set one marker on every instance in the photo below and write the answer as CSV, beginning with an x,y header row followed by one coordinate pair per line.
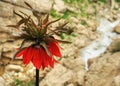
x,y
37,77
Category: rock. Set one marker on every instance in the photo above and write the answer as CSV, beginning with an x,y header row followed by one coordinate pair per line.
x,y
92,25
77,64
115,45
117,29
59,6
17,9
90,10
91,61
116,81
67,50
90,34
104,71
22,77
3,23
57,76
15,68
79,78
71,85
40,5
72,71
80,44
74,20
3,37
2,82
2,70
6,10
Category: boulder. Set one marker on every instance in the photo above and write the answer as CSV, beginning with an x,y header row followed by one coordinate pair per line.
x,y
2,81
40,5
59,6
71,73
104,70
116,81
115,45
117,29
6,10
57,77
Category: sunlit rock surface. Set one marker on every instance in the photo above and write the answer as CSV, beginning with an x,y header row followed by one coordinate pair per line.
x,y
2,82
117,28
105,71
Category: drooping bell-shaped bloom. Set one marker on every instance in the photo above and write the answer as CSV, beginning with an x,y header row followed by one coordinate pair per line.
x,y
39,57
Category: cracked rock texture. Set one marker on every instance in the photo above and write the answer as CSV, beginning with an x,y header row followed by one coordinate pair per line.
x,y
104,71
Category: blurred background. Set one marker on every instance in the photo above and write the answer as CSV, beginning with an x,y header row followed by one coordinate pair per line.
x,y
93,57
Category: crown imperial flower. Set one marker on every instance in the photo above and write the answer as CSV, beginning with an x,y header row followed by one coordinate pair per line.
x,y
38,55
44,46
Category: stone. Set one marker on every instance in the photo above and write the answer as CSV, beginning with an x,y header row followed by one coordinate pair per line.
x,y
104,71
91,61
71,72
59,6
3,23
90,10
2,69
2,82
18,9
3,37
22,77
71,85
92,24
6,10
74,20
43,6
74,64
79,78
57,76
116,81
117,29
115,45
15,68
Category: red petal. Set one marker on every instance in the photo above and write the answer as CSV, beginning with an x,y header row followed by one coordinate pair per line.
x,y
17,48
43,67
54,48
29,55
37,58
51,61
21,52
25,55
45,61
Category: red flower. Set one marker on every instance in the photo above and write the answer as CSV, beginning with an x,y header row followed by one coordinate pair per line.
x,y
44,46
38,55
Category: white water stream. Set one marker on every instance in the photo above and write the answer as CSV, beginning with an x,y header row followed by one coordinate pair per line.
x,y
99,46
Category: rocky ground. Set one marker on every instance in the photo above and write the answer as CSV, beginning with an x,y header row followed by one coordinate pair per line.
x,y
83,18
